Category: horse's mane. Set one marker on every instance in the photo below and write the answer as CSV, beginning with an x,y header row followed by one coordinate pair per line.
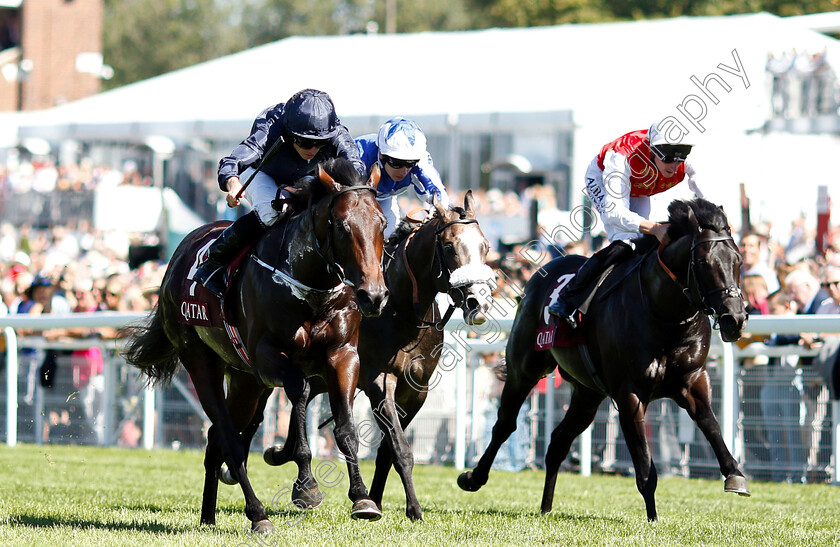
x,y
340,169
708,215
343,171
407,225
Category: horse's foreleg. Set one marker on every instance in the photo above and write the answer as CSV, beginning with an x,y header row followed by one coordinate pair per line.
x,y
342,373
207,374
697,402
631,415
582,410
390,418
514,393
384,460
278,455
305,492
212,463
246,400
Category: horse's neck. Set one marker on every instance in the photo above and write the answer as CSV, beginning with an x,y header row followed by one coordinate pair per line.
x,y
665,295
415,257
290,247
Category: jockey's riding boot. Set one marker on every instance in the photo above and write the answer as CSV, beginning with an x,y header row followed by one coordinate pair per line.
x,y
244,231
567,303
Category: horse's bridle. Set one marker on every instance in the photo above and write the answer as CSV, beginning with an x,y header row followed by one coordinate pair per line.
x,y
333,267
732,291
439,251
440,257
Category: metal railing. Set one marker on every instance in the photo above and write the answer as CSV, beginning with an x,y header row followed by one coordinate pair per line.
x,y
463,345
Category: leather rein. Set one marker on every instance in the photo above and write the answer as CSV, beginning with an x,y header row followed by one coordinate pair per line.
x,y
333,267
703,305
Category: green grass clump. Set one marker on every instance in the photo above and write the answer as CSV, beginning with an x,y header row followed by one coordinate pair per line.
x,y
69,495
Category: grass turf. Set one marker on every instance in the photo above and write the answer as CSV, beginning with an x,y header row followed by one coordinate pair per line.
x,y
69,495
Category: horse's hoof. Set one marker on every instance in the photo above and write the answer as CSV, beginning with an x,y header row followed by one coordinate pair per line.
x,y
736,484
306,499
414,513
467,483
275,456
263,526
226,477
365,509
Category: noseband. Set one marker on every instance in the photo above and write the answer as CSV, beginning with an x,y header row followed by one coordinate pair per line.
x,y
333,267
703,305
439,251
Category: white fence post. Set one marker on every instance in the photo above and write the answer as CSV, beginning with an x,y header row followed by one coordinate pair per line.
x,y
461,408
108,398
12,367
728,397
586,451
835,437
149,418
549,410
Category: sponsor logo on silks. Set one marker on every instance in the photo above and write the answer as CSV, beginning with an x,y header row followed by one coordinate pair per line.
x,y
195,313
545,338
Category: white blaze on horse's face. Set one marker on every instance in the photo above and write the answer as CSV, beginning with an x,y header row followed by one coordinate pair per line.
x,y
474,278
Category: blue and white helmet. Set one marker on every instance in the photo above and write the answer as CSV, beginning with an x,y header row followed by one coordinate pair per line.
x,y
402,139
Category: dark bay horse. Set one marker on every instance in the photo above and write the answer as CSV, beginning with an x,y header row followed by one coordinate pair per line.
x,y
400,349
298,302
648,339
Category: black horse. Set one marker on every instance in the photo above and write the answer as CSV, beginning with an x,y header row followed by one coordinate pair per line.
x,y
297,302
400,349
647,338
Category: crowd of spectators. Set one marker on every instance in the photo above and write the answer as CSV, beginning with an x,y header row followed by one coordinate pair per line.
x,y
72,261
803,84
75,267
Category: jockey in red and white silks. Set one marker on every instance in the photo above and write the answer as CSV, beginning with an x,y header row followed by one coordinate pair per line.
x,y
620,181
623,176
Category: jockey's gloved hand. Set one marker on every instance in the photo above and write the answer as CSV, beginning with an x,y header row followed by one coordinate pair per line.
x,y
282,202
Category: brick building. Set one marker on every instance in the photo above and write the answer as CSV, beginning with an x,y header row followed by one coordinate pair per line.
x,y
50,52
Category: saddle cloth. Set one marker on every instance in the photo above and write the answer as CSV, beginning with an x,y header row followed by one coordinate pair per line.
x,y
551,331
197,305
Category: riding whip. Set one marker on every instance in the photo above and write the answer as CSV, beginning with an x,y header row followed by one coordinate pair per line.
x,y
268,155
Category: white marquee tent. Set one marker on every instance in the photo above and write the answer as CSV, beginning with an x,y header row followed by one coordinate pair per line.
x,y
612,77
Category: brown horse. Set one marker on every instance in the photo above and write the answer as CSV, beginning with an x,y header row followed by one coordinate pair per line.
x,y
647,338
298,302
400,349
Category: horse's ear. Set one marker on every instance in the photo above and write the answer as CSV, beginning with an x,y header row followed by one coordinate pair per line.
x,y
469,204
693,219
374,176
329,183
439,206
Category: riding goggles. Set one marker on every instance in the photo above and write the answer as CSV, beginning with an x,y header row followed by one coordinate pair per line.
x,y
399,164
672,153
306,144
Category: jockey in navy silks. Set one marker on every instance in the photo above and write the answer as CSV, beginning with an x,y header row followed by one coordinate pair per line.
x,y
287,142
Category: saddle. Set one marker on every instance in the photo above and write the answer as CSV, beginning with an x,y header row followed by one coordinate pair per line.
x,y
199,306
553,332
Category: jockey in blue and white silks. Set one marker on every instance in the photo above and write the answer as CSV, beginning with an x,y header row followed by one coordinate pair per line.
x,y
400,149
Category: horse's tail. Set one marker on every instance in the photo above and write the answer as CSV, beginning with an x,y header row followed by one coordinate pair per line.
x,y
149,349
